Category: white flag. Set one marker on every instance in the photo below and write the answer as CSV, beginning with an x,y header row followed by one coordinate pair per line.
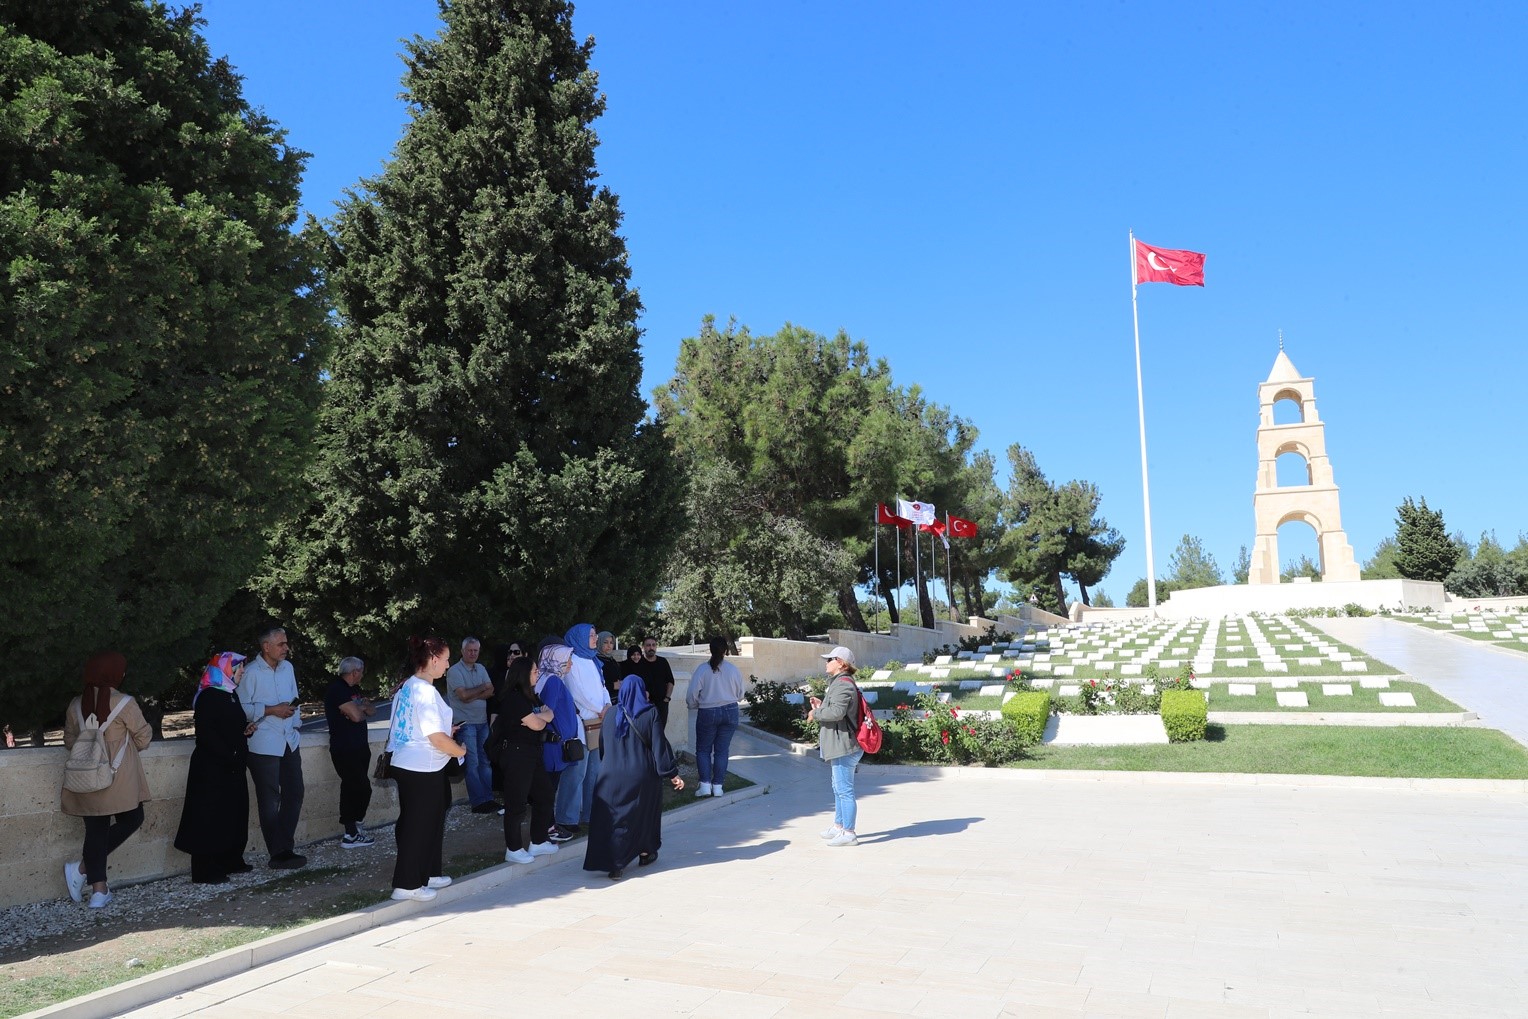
x,y
917,512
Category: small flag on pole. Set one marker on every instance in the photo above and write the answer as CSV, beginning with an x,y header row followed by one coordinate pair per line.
x,y
936,527
962,528
1167,265
886,516
917,512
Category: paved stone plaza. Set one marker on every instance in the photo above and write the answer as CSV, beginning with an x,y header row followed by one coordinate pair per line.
x,y
976,893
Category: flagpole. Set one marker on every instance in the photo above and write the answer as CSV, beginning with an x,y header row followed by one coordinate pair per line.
x,y
1140,402
879,586
897,593
949,589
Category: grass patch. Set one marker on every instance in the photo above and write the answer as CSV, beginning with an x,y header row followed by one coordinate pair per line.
x,y
1309,750
1360,700
1516,645
673,800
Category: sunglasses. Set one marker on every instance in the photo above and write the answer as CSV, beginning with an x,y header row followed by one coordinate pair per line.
x,y
515,651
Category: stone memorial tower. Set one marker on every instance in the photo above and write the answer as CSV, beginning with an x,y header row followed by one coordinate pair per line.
x,y
1314,502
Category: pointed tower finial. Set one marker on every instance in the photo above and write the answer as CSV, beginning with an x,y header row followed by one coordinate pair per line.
x,y
1281,341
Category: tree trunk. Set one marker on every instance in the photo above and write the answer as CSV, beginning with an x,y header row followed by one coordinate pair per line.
x,y
925,605
849,606
1060,593
1082,589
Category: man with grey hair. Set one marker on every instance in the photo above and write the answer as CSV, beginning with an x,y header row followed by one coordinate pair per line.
x,y
347,710
468,691
268,693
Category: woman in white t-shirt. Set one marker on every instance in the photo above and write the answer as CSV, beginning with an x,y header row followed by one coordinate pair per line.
x,y
421,744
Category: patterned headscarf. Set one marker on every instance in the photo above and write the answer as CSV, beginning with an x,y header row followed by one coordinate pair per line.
x,y
633,701
553,658
219,674
103,674
578,639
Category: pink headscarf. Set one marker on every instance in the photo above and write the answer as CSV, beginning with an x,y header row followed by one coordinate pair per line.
x,y
219,674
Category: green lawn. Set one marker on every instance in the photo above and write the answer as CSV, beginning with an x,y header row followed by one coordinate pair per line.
x,y
1516,645
1360,700
1309,750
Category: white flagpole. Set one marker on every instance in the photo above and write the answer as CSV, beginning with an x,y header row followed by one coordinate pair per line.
x,y
897,592
876,517
933,569
949,590
1140,402
918,573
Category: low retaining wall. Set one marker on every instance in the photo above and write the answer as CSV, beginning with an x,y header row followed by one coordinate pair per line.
x,y
1240,599
39,838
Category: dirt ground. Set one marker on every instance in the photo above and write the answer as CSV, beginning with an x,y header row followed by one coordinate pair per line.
x,y
128,943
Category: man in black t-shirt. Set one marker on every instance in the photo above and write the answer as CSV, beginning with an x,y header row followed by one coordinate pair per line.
x,y
659,677
347,710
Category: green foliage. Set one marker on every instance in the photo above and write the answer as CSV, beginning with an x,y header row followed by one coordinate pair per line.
x,y
1109,696
768,710
1102,600
1139,597
485,465
1304,566
1243,568
1490,572
1054,530
1184,715
162,325
1192,566
988,637
793,437
946,736
1028,712
1424,550
1381,566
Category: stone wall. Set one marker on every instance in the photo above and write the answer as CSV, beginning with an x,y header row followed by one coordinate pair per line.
x,y
38,838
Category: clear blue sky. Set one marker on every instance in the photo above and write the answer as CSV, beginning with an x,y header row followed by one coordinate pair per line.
x,y
955,186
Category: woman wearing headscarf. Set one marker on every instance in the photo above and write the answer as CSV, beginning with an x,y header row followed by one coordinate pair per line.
x,y
552,664
713,695
521,729
113,813
214,821
421,745
611,667
586,682
626,823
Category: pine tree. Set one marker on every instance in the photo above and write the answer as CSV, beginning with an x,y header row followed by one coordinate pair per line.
x,y
161,328
485,466
1423,548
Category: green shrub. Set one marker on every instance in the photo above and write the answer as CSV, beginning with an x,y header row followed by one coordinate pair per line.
x,y
768,710
986,638
1027,713
1184,715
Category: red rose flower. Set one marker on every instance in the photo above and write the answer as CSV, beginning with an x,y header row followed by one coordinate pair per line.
x,y
945,736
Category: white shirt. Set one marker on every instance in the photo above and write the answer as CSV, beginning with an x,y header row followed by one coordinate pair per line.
x,y
587,685
418,711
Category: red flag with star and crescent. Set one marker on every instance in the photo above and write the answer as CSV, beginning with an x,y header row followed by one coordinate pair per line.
x,y
962,528
1168,265
883,515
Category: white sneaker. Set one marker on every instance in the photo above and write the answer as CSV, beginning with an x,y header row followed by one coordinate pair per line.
x,y
831,833
704,789
542,848
438,882
517,856
421,894
100,900
74,880
845,838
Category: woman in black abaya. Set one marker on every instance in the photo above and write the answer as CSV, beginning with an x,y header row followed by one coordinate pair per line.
x,y
627,818
214,822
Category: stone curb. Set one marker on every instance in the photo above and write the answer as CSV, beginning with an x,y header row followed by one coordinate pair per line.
x,y
112,1001
1479,786
1419,719
1466,641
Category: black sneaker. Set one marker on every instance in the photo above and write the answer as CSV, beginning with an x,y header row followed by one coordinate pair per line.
x,y
563,833
486,807
288,861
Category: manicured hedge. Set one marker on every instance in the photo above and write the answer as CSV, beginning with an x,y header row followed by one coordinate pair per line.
x,y
1028,711
1184,714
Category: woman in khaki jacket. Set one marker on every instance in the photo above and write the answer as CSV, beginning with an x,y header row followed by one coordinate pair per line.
x,y
113,813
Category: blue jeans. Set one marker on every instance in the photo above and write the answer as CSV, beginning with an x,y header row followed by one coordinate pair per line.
x,y
570,793
843,788
714,728
476,768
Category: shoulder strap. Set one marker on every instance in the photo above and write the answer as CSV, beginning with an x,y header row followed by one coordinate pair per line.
x,y
124,702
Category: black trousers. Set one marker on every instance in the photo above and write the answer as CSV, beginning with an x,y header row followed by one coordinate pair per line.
x,y
103,834
421,829
526,784
278,797
354,770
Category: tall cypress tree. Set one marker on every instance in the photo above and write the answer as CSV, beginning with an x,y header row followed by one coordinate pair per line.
x,y
160,325
485,463
1423,548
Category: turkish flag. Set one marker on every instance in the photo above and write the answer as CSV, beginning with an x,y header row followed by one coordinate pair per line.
x,y
936,527
1166,265
886,516
962,528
